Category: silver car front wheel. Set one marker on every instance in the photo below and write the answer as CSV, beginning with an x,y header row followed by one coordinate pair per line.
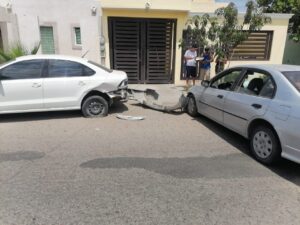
x,y
191,106
265,145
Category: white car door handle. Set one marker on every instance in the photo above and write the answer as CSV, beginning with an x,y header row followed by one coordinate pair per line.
x,y
36,85
81,83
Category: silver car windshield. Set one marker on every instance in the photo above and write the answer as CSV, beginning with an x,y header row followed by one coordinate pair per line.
x,y
101,67
294,78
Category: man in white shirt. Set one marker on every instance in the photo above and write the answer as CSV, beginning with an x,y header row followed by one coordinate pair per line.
x,y
191,65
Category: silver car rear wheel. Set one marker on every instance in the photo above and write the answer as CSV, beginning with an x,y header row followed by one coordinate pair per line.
x,y
265,145
262,144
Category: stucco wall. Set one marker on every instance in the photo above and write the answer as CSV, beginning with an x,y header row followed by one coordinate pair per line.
x,y
166,5
4,2
136,8
291,53
62,15
8,26
279,28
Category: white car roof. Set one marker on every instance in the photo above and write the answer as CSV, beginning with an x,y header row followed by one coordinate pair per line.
x,y
270,67
62,57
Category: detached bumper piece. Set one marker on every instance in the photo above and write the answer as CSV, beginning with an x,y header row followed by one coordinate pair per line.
x,y
150,98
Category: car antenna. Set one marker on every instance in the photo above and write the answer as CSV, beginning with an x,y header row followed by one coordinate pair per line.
x,y
85,54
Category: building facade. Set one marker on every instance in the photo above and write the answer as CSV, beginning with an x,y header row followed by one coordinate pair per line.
x,y
142,38
69,27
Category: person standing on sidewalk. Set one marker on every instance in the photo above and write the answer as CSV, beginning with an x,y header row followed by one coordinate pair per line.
x,y
205,64
191,65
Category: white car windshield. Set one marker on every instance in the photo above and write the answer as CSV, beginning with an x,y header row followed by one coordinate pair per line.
x,y
101,66
294,78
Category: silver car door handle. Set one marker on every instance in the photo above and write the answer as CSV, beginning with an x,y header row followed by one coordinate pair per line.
x,y
36,85
81,83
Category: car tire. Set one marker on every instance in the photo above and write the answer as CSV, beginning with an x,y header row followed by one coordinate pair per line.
x,y
95,106
264,145
191,106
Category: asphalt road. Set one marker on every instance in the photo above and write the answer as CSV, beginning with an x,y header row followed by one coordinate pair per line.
x,y
60,169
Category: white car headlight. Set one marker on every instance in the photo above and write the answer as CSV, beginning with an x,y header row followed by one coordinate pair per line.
x,y
123,84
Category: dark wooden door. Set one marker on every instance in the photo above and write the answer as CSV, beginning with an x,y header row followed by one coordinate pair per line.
x,y
144,48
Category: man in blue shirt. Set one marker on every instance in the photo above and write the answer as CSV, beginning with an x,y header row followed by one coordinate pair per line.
x,y
205,65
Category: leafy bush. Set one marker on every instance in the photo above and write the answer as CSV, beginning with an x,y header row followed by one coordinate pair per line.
x,y
17,50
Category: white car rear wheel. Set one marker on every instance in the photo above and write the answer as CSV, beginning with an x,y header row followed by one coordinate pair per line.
x,y
94,106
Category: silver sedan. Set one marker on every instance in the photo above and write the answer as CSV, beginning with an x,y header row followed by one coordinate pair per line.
x,y
260,102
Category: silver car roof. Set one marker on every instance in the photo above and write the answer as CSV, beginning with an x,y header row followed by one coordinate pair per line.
x,y
270,67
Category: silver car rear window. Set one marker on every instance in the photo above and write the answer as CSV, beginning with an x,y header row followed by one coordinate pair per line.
x,y
294,78
101,67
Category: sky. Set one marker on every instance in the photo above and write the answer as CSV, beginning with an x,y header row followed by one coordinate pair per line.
x,y
239,3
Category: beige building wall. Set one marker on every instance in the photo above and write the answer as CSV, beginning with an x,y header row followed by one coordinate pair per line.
x,y
168,9
279,27
63,16
8,25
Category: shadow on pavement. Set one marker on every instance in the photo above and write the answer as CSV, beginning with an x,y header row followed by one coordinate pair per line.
x,y
21,155
225,167
117,107
285,168
23,117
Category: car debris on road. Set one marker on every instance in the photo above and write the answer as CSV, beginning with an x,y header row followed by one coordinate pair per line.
x,y
150,98
131,118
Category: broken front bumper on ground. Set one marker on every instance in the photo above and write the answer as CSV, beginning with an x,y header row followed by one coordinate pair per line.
x,y
151,99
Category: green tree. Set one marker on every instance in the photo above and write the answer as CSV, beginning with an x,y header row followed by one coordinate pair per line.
x,y
224,31
17,50
285,6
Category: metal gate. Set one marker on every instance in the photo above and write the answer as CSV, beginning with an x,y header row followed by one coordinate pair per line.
x,y
144,48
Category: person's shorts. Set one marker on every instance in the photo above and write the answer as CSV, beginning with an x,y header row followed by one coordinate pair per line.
x,y
204,74
191,71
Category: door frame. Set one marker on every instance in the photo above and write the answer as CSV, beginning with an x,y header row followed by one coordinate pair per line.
x,y
143,44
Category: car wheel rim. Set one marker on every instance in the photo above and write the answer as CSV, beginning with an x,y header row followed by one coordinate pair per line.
x,y
262,144
191,105
95,108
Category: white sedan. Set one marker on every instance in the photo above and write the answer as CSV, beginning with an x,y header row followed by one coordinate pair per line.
x,y
260,102
52,82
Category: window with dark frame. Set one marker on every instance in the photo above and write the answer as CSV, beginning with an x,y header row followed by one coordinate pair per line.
x,y
30,69
65,68
77,33
256,47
